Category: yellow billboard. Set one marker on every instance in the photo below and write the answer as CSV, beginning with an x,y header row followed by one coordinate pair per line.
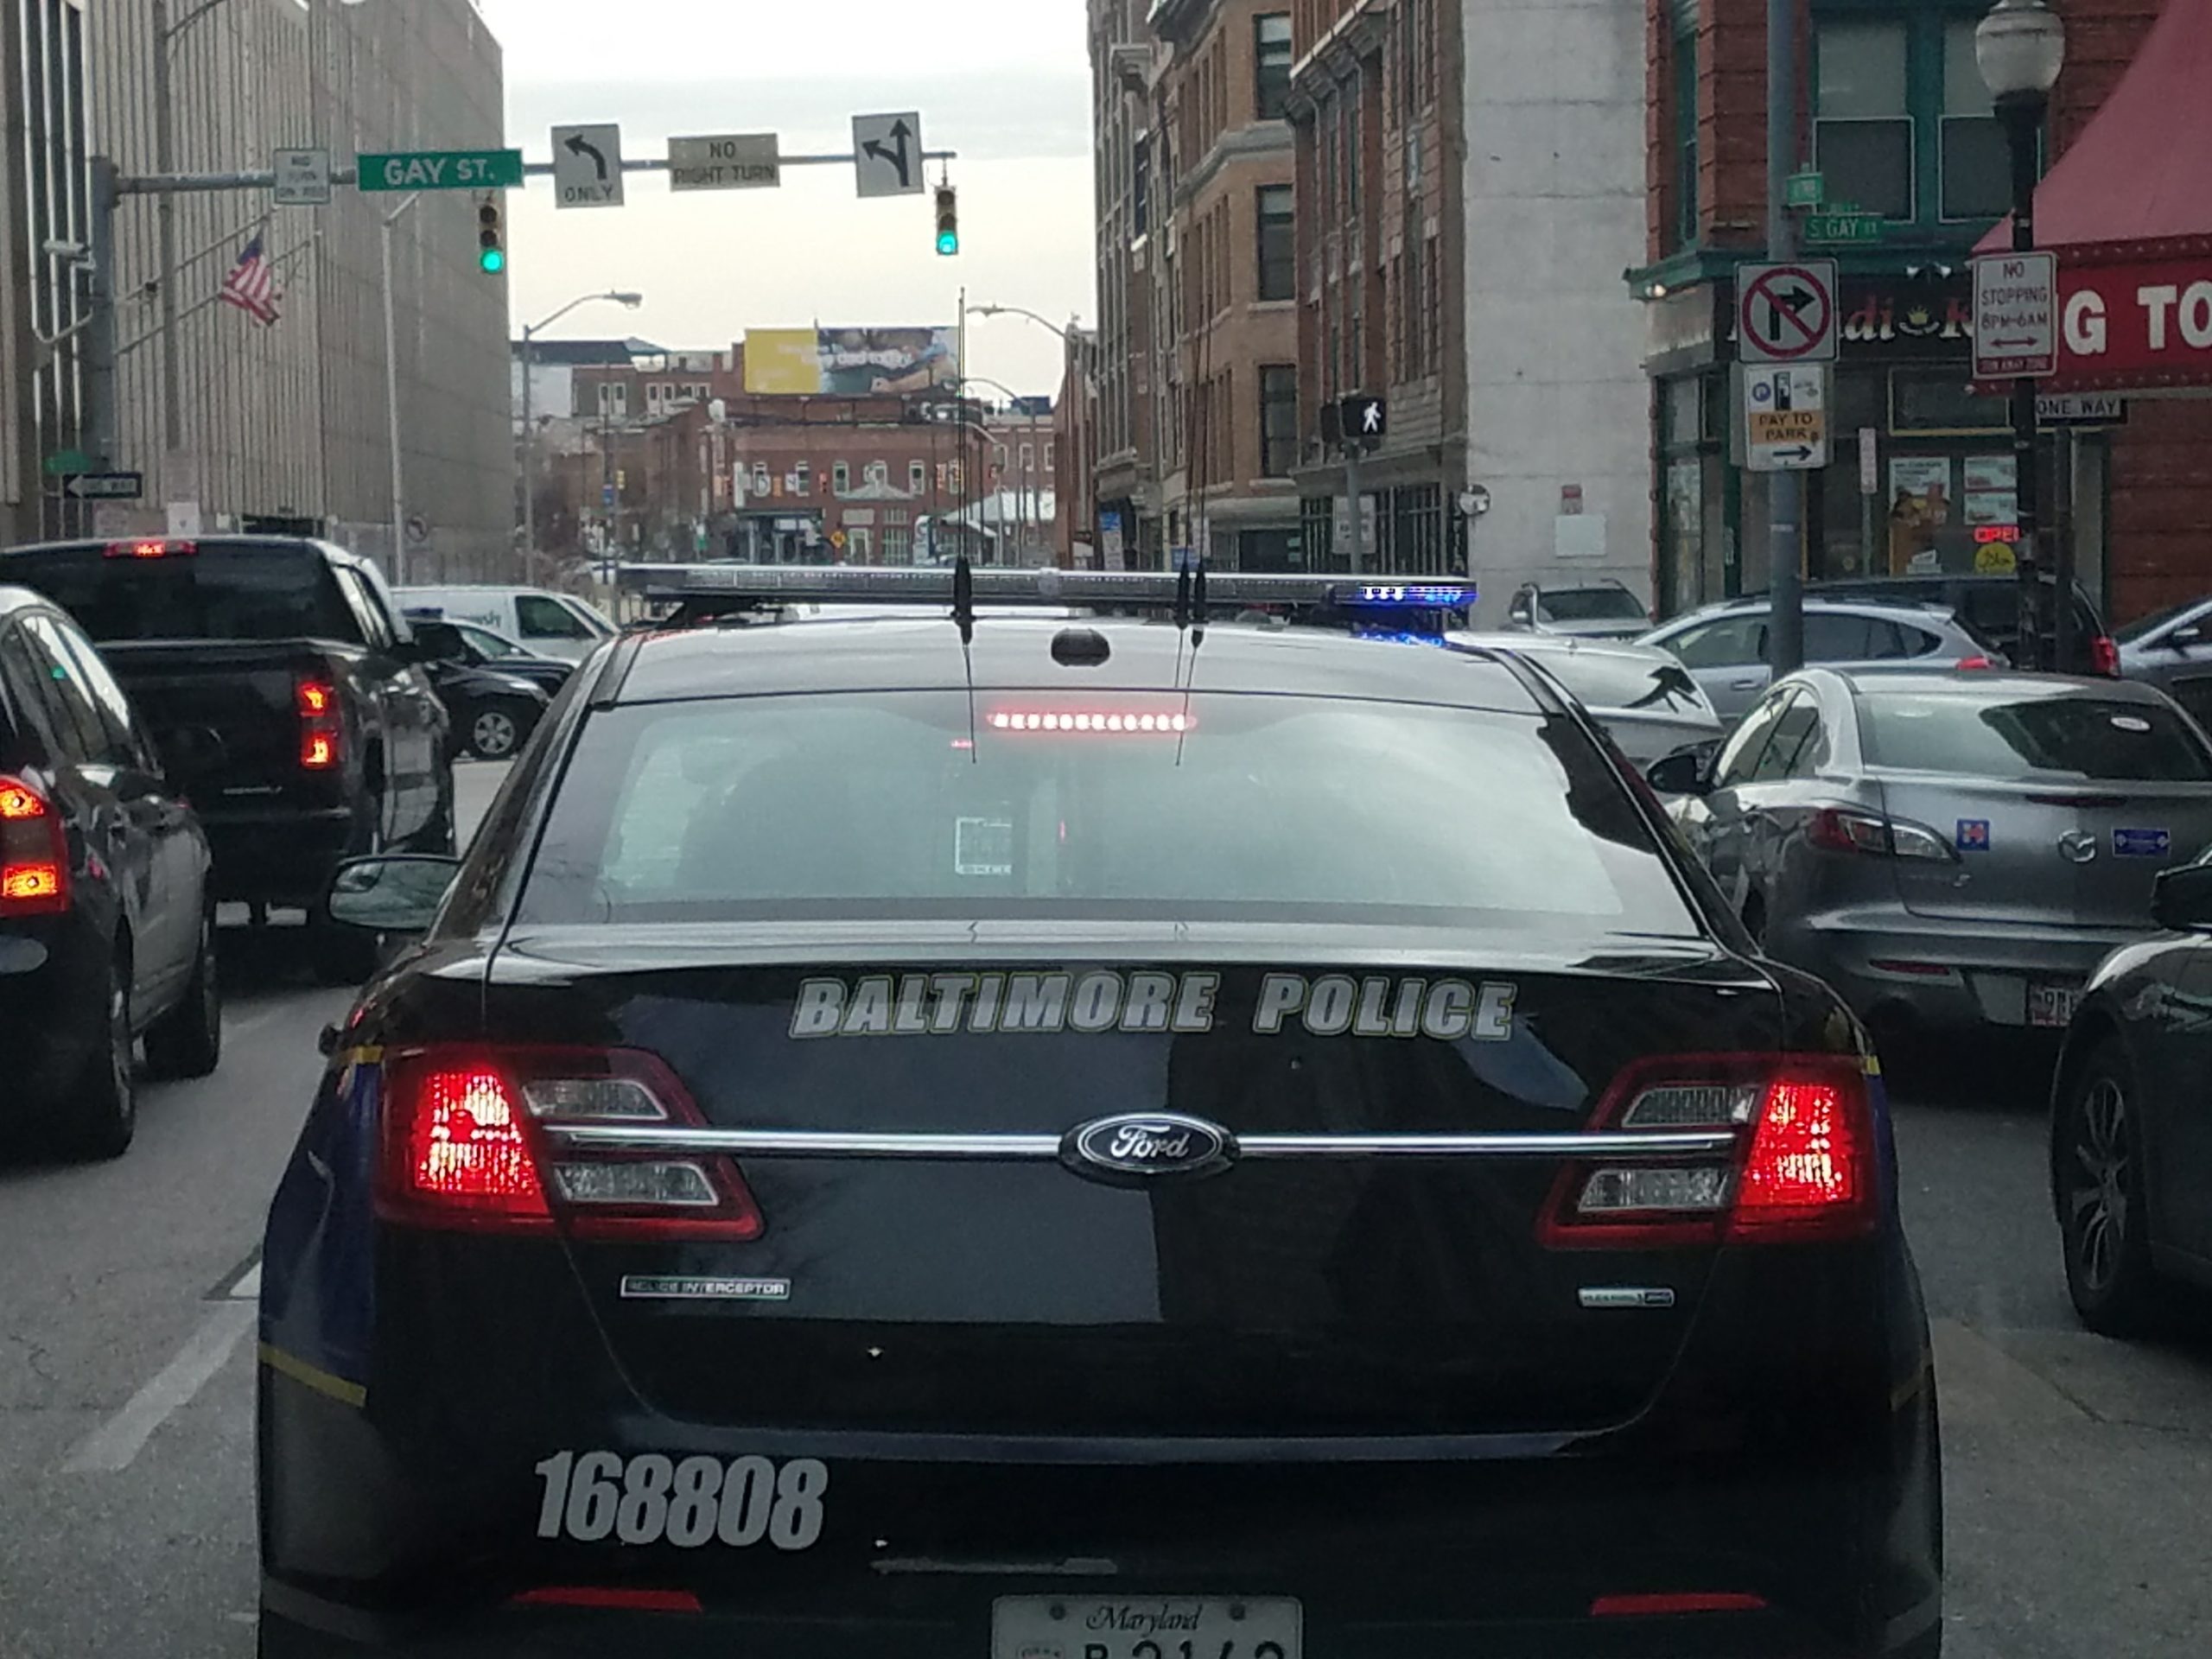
x,y
849,362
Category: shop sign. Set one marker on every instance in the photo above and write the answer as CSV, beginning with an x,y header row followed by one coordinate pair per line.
x,y
1907,318
2144,324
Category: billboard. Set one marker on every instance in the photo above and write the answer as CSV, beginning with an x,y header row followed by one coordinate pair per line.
x,y
851,362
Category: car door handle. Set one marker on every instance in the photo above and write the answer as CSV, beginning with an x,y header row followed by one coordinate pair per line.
x,y
1744,685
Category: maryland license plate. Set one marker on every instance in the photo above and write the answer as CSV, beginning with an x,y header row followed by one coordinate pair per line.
x,y
1143,1627
2052,1005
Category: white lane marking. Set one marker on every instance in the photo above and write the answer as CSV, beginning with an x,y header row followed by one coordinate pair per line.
x,y
110,1447
248,1287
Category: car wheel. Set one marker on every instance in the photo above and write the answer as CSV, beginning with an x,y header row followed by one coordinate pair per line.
x,y
103,1108
2097,1153
497,730
188,1042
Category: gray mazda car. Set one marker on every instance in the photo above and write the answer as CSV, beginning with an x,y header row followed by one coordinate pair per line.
x,y
1950,849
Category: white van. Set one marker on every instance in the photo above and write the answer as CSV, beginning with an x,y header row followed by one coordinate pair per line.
x,y
550,624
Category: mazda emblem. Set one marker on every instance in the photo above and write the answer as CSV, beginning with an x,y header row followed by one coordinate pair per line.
x,y
2079,846
1142,1147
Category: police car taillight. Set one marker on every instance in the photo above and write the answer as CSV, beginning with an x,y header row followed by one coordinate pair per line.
x,y
1802,1167
1164,722
465,1147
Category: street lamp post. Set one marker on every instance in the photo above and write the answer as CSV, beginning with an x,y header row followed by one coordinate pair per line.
x,y
391,397
529,426
2020,47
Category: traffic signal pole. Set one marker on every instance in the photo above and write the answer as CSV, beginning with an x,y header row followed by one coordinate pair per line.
x,y
1785,488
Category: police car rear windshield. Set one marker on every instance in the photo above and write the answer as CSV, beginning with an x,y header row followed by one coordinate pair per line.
x,y
1129,805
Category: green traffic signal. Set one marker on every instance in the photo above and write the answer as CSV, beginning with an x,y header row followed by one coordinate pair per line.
x,y
948,221
494,261
947,242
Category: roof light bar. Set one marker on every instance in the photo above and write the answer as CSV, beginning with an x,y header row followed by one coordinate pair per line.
x,y
898,585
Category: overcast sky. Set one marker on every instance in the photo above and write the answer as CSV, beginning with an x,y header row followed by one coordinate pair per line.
x,y
1004,82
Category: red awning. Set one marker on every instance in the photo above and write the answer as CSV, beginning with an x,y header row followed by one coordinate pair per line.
x,y
2129,210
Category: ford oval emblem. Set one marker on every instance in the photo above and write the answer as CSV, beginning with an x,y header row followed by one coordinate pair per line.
x,y
1142,1147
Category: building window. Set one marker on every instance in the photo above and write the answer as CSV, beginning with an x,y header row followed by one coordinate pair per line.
x,y
857,546
1028,459
760,486
878,473
1278,419
803,480
1271,72
1685,224
1140,186
1048,457
1433,304
917,478
841,477
1863,129
1278,242
1977,166
898,547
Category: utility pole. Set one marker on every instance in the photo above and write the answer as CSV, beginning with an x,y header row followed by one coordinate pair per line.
x,y
100,338
391,398
1785,489
1357,519
165,225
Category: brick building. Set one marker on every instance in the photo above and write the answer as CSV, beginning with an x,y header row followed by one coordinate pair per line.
x,y
664,455
1898,124
1467,183
1197,345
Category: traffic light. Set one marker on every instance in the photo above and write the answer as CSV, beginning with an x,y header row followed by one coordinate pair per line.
x,y
948,220
490,237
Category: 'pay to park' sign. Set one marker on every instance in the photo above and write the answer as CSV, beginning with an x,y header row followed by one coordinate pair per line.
x,y
442,169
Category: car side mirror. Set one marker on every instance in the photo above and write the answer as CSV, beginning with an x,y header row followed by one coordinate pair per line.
x,y
389,894
2180,901
1680,773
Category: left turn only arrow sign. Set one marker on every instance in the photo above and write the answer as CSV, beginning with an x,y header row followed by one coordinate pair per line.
x,y
587,166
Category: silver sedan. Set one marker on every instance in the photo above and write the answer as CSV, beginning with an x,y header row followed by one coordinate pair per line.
x,y
1950,849
1724,646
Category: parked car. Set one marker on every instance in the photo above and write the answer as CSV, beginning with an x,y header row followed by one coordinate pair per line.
x,y
1951,850
1645,699
285,695
1989,606
1724,646
107,919
1588,610
495,706
2131,1130
486,647
2167,647
555,625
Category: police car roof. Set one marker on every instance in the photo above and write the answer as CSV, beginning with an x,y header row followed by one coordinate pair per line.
x,y
906,653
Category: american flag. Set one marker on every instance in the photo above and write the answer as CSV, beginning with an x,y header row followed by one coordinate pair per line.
x,y
251,285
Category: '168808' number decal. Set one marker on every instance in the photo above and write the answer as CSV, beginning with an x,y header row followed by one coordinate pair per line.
x,y
650,1498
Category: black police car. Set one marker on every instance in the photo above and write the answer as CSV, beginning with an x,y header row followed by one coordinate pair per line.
x,y
1112,1141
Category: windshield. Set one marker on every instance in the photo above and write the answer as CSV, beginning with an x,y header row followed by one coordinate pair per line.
x,y
1590,604
216,592
2093,738
491,644
1262,807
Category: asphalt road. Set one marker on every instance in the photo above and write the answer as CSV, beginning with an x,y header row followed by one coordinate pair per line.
x,y
2078,1472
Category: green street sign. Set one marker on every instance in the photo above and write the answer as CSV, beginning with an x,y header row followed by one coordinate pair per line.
x,y
70,463
1804,189
442,169
1843,227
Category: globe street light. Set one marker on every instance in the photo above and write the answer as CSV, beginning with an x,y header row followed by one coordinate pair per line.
x,y
2019,48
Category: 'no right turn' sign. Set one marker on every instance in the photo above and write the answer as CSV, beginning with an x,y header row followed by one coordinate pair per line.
x,y
1786,313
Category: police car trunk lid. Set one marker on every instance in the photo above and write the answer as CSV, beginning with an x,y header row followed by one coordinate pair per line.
x,y
1169,1189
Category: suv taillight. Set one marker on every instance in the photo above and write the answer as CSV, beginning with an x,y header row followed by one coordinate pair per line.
x,y
1803,1165
34,853
320,732
2104,657
466,1146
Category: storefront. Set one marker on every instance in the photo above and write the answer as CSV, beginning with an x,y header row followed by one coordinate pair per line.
x,y
1698,548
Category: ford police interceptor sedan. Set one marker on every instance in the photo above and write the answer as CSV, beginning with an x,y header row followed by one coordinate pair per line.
x,y
1071,1137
